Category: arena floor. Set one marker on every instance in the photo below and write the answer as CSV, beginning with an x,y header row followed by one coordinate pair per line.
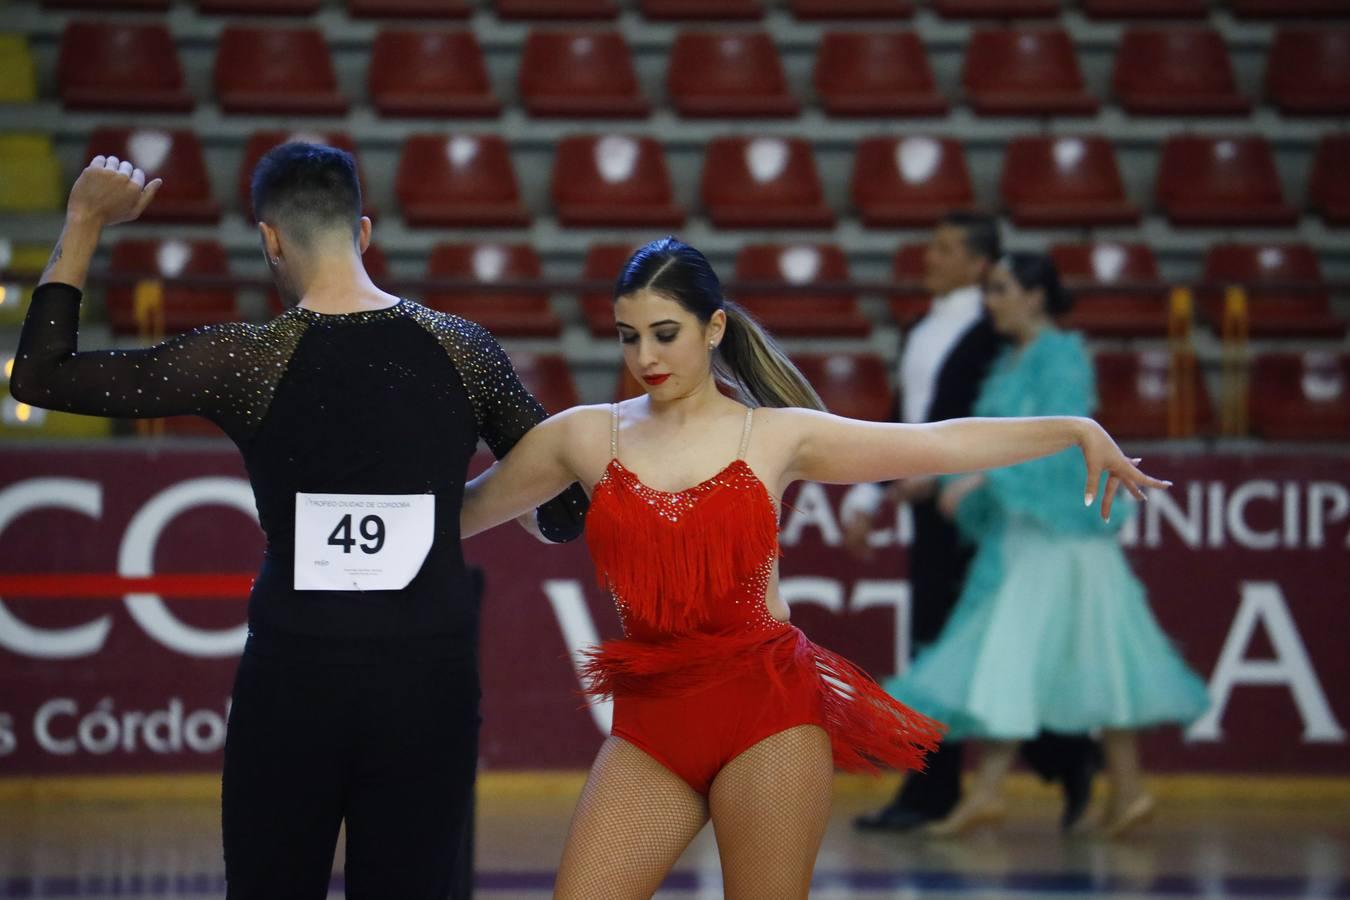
x,y
1213,838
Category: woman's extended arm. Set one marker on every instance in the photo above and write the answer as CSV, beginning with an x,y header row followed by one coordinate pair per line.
x,y
834,449
535,470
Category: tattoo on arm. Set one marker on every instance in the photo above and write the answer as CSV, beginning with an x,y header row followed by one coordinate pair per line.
x,y
56,258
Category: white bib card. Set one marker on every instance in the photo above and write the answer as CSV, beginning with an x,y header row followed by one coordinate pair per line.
x,y
361,542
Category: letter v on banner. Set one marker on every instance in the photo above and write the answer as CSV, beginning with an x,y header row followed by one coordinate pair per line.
x,y
1263,602
76,495
578,629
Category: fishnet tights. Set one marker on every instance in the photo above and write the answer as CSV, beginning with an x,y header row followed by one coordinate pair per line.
x,y
769,807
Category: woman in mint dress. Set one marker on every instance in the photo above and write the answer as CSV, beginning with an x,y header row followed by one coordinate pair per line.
x,y
1052,631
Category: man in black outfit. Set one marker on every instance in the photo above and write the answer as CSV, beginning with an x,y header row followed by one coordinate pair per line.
x,y
356,412
942,365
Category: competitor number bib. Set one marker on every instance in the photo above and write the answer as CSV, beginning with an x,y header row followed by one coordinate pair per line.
x,y
361,542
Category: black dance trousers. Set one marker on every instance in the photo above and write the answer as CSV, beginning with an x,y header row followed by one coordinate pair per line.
x,y
383,737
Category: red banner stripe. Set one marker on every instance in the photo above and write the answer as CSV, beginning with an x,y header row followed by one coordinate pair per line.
x,y
224,586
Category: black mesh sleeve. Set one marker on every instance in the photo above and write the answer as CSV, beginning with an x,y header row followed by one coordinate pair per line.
x,y
225,372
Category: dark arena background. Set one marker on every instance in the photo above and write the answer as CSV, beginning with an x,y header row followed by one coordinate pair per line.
x,y
1186,163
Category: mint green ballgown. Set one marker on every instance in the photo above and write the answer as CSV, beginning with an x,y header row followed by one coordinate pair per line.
x,y
1052,630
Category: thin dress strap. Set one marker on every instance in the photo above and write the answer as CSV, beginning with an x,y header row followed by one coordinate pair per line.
x,y
745,433
614,431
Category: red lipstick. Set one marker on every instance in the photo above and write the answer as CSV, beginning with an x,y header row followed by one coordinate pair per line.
x,y
655,379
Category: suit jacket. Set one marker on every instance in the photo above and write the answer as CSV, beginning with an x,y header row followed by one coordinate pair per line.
x,y
938,557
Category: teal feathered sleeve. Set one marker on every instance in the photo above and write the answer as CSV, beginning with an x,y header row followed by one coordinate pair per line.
x,y
1051,377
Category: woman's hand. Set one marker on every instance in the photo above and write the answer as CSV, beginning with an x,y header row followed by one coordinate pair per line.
x,y
956,491
913,490
1103,456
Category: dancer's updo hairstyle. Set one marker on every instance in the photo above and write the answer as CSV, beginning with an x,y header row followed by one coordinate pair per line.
x,y
747,358
1037,270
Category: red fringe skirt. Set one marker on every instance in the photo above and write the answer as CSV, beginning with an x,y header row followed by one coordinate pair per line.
x,y
869,729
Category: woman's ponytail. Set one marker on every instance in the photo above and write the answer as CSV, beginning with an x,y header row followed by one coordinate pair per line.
x,y
752,362
748,359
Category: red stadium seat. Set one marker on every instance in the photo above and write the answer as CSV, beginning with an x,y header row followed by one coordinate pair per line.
x,y
909,182
1176,72
373,260
1096,273
996,9
580,73
1328,188
853,385
185,308
701,9
1285,9
763,182
1307,71
884,73
1273,311
409,9
910,304
262,141
430,73
604,262
105,5
175,156
615,181
105,65
1301,397
1136,391
1051,182
833,315
1221,181
276,70
722,73
1024,73
458,181
1146,9
260,7
851,9
556,9
522,313
547,377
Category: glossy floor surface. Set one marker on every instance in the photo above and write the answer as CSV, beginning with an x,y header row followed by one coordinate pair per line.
x,y
1231,837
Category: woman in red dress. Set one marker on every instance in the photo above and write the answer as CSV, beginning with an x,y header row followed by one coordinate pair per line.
x,y
722,709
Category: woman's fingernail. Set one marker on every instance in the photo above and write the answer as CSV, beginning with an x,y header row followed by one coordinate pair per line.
x,y
1087,500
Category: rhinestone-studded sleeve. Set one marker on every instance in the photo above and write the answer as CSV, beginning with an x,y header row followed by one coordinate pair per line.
x,y
226,373
505,410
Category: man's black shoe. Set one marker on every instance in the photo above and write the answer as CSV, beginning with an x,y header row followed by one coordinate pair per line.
x,y
892,818
1078,791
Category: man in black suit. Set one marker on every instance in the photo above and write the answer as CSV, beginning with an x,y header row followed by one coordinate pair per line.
x,y
942,365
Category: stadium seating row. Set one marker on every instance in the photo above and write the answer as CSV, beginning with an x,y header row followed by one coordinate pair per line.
x,y
739,9
728,74
1294,397
615,180
1119,291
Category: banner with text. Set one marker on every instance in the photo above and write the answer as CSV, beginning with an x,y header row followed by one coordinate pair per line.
x,y
1247,562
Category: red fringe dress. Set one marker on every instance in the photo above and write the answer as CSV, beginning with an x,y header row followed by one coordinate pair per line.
x,y
703,671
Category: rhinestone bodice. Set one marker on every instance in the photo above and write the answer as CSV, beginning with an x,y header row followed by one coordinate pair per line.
x,y
729,512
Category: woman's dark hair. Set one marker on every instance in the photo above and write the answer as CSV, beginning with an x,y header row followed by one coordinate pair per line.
x,y
1037,270
748,358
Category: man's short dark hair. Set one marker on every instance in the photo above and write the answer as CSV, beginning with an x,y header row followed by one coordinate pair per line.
x,y
982,237
305,190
